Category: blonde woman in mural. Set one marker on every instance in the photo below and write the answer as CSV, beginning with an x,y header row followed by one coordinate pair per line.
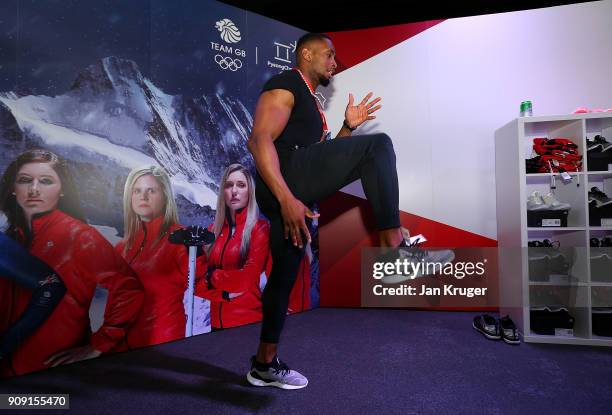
x,y
239,254
39,198
150,215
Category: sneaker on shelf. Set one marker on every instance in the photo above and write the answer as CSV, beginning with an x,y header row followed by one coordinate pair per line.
x,y
551,244
553,204
535,202
275,374
598,198
488,326
606,242
545,248
546,243
593,147
558,264
509,332
605,145
424,262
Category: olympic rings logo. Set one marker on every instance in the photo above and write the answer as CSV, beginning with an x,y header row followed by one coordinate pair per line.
x,y
228,63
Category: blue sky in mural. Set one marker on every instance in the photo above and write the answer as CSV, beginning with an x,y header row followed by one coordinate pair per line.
x,y
44,45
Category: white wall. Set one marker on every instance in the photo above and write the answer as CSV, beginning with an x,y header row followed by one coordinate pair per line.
x,y
446,91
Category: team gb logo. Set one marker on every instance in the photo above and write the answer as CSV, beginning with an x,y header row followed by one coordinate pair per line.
x,y
229,31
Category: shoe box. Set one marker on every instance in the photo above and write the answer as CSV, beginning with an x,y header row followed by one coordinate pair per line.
x,y
602,321
600,216
551,321
599,161
547,218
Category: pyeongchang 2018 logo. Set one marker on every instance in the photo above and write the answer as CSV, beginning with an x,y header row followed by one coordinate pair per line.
x,y
229,31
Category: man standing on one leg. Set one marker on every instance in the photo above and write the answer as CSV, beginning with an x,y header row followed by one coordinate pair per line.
x,y
297,166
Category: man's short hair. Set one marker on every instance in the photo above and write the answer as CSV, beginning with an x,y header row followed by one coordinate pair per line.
x,y
305,39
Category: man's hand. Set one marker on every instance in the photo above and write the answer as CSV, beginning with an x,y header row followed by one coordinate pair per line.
x,y
294,212
355,115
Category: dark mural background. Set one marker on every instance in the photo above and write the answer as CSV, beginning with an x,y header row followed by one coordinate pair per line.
x,y
114,85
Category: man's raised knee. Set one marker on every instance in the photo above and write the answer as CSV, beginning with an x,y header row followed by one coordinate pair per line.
x,y
382,140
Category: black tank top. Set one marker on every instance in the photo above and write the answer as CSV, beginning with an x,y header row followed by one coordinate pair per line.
x,y
304,126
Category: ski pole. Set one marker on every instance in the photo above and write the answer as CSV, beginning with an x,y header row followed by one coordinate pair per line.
x,y
193,237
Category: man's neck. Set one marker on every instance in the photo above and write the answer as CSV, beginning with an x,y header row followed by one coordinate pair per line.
x,y
312,79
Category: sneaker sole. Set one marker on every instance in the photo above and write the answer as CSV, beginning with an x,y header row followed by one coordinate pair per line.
x,y
513,342
257,382
484,333
396,279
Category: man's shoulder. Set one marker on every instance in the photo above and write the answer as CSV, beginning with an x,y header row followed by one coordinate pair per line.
x,y
288,80
289,74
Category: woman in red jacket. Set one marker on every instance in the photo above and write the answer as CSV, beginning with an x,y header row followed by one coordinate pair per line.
x,y
39,198
239,254
150,215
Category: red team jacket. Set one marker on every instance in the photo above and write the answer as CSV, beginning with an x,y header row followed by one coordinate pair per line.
x,y
162,268
230,276
83,259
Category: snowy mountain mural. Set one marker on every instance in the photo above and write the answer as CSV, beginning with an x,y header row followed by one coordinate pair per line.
x,y
114,119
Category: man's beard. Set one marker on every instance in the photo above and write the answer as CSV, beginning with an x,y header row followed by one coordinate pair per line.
x,y
324,81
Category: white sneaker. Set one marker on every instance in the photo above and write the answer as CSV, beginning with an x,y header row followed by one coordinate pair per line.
x,y
553,204
536,202
425,262
275,374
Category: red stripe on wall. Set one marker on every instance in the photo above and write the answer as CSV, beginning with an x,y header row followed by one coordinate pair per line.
x,y
347,225
355,46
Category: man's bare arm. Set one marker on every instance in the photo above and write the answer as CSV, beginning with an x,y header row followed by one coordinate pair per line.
x,y
271,116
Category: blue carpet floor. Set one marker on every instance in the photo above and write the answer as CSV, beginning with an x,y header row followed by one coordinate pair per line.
x,y
357,361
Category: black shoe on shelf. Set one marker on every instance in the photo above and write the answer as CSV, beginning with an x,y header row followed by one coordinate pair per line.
x,y
488,326
509,332
593,147
598,197
605,145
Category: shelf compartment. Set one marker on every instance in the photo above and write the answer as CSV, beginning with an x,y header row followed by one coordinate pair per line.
x,y
573,298
599,126
566,265
572,193
569,129
601,264
601,313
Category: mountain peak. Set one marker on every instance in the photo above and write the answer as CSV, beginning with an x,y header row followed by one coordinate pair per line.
x,y
110,73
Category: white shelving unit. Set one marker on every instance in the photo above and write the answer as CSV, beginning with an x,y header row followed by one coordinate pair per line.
x,y
513,145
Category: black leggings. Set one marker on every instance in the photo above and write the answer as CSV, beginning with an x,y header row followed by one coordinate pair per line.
x,y
313,173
